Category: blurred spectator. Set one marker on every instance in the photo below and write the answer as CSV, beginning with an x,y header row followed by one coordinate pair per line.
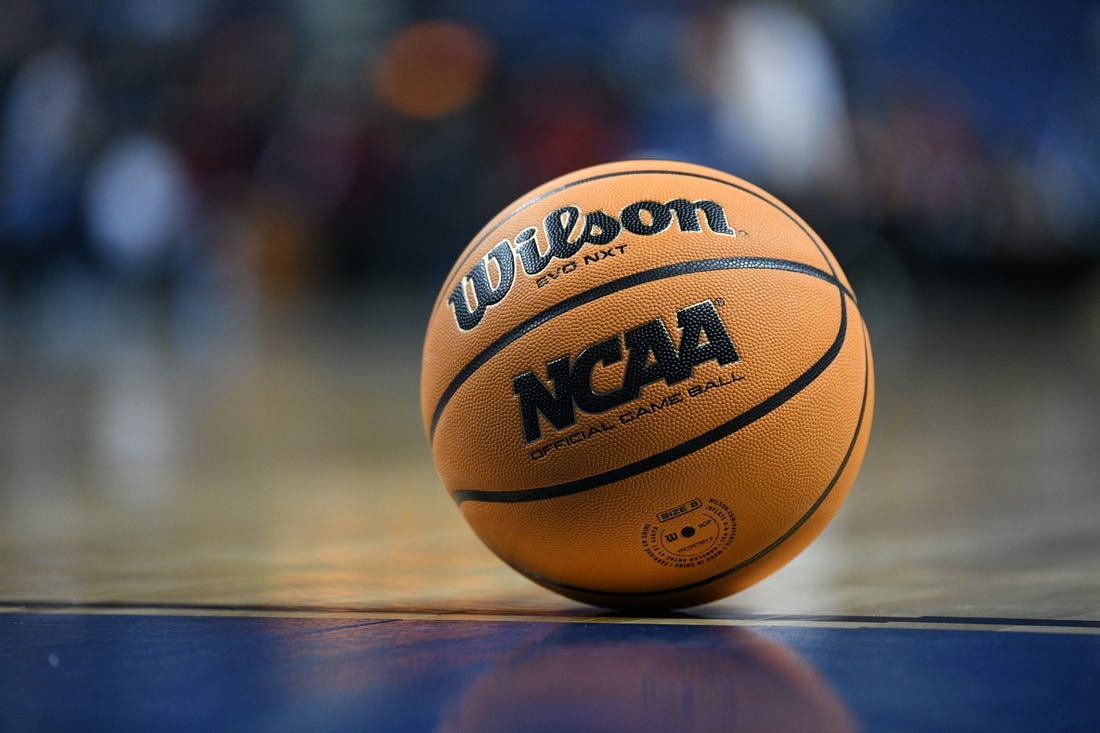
x,y
779,103
151,142
45,132
139,205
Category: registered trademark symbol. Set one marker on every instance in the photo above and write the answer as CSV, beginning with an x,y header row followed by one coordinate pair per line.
x,y
719,301
742,233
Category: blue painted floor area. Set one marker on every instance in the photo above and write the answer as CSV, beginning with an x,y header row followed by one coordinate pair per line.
x,y
167,673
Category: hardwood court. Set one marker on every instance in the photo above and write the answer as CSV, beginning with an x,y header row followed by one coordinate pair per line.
x,y
249,534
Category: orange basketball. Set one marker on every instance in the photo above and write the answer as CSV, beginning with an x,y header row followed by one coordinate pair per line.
x,y
647,385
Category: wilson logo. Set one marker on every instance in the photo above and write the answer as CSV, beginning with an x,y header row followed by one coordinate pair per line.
x,y
651,356
564,232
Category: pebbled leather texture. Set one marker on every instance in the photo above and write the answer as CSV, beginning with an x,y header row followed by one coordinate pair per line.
x,y
716,473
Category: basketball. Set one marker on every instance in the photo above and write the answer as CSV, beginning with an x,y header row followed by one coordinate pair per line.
x,y
647,385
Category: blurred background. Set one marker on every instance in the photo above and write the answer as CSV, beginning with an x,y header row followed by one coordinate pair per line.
x,y
220,152
222,223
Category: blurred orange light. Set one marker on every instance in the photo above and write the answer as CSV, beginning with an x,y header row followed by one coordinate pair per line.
x,y
432,69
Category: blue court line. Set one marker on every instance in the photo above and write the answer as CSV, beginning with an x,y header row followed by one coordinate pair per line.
x,y
98,671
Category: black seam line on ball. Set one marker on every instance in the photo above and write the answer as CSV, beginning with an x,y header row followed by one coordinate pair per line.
x,y
471,249
613,286
677,451
744,563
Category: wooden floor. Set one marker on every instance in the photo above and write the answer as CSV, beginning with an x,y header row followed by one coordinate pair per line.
x,y
275,467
